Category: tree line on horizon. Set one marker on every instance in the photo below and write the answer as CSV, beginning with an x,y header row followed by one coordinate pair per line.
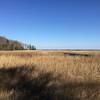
x,y
6,44
16,47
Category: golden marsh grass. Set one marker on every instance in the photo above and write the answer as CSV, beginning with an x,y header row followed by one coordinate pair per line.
x,y
80,73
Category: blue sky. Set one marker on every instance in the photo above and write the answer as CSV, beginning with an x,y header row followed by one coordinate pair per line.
x,y
52,24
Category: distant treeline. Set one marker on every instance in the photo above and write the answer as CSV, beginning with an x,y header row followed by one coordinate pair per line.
x,y
16,47
6,44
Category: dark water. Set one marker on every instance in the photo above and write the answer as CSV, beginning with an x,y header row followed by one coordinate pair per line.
x,y
81,55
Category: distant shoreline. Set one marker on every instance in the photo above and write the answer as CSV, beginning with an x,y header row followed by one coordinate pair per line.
x,y
70,49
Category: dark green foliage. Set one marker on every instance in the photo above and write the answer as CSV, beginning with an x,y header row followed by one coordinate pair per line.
x,y
31,47
11,47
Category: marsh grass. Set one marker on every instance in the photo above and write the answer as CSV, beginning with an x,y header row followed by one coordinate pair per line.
x,y
48,77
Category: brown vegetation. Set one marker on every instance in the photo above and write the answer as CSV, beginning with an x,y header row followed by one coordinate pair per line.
x,y
49,75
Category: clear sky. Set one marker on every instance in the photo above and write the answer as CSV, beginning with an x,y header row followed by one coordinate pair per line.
x,y
55,24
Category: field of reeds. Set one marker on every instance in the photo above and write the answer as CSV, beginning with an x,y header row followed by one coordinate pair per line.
x,y
49,75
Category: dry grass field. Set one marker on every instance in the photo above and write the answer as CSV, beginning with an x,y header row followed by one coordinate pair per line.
x,y
50,75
